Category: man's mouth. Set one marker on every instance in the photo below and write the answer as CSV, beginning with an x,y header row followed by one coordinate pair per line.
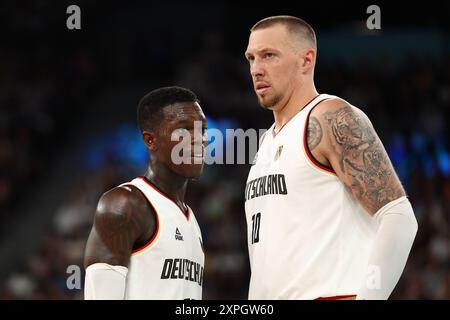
x,y
194,155
197,152
261,88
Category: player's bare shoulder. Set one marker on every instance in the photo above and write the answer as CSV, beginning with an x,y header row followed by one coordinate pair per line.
x,y
121,220
342,124
356,153
120,206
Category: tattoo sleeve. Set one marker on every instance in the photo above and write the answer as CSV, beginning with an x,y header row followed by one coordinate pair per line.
x,y
361,160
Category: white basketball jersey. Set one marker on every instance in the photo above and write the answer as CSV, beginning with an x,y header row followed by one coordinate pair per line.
x,y
307,236
170,266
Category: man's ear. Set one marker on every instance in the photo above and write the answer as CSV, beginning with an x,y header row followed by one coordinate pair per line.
x,y
149,140
308,60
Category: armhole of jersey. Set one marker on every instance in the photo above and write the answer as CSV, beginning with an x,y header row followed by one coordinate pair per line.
x,y
308,152
157,224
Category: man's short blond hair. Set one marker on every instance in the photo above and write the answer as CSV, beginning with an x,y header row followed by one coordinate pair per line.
x,y
298,28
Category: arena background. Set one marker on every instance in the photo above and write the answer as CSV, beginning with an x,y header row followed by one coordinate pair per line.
x,y
68,101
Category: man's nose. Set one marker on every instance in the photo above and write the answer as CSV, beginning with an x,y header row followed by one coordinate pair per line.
x,y
256,69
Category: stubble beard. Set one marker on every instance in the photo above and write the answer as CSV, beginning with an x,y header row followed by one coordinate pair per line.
x,y
269,103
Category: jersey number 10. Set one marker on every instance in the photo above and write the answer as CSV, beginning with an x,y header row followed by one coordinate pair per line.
x,y
256,221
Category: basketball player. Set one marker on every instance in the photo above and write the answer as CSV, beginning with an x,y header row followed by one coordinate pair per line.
x,y
327,215
145,242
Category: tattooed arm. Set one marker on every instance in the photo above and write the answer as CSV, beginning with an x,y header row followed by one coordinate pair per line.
x,y
121,222
342,136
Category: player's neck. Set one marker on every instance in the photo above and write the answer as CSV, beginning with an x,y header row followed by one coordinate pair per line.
x,y
172,185
296,102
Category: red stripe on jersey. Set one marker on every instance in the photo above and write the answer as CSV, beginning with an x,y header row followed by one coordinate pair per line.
x,y
149,242
305,144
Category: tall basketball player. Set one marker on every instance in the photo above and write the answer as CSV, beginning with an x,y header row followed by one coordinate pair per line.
x,y
327,215
145,242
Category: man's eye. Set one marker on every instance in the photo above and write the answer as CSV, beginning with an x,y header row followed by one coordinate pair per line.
x,y
269,55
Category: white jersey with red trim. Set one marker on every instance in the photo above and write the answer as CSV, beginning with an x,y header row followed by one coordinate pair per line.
x,y
170,266
307,236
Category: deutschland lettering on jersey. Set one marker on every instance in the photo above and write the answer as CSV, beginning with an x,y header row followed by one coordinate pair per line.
x,y
182,269
270,184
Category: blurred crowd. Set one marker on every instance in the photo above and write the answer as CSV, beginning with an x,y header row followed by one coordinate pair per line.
x,y
41,97
42,85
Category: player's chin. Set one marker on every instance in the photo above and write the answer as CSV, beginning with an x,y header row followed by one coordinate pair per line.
x,y
193,171
195,174
265,103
